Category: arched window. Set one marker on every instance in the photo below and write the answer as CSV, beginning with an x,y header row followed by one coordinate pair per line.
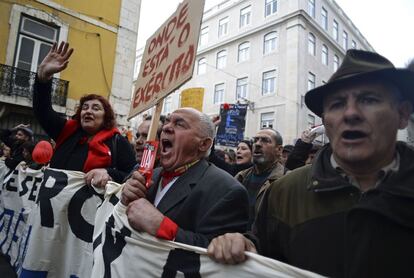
x,y
243,54
270,42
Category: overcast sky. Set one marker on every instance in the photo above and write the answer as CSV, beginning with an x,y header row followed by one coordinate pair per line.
x,y
387,25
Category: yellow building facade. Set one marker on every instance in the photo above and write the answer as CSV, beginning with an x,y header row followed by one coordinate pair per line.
x,y
103,34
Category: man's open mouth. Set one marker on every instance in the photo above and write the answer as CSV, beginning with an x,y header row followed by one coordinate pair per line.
x,y
166,145
353,134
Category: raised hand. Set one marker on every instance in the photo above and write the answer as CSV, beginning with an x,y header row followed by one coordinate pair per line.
x,y
55,61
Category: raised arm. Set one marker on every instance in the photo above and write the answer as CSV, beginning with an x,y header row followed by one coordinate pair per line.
x,y
55,61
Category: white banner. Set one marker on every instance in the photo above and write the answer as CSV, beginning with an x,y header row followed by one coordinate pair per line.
x,y
55,239
19,190
119,251
62,226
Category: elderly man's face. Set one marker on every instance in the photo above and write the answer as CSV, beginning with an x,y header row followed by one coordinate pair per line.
x,y
361,122
181,139
265,149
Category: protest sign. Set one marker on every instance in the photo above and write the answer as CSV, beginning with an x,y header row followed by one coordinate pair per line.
x,y
231,128
169,56
193,97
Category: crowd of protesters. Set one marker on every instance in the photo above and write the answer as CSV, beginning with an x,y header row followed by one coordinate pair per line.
x,y
344,209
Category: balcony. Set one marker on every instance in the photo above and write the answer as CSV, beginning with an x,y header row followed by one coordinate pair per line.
x,y
15,82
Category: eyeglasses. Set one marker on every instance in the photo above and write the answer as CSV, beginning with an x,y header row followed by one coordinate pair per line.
x,y
265,140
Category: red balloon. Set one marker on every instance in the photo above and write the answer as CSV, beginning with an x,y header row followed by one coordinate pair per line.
x,y
42,152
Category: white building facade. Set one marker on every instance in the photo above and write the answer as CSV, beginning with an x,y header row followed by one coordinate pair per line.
x,y
269,53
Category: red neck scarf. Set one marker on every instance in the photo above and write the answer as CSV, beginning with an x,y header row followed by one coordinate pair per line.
x,y
99,154
168,176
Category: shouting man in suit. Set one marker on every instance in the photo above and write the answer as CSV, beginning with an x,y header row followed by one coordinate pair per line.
x,y
190,201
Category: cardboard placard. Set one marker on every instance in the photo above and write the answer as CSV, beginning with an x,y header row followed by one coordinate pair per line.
x,y
169,56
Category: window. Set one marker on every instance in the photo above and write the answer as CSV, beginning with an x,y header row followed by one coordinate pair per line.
x,y
218,93
223,27
354,44
221,59
324,19
34,42
311,44
204,36
311,8
311,81
270,7
311,120
202,66
269,82
270,42
241,88
266,120
335,30
243,54
245,15
324,55
167,105
336,63
345,40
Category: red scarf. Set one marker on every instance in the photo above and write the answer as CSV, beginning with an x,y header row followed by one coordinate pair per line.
x,y
99,154
168,176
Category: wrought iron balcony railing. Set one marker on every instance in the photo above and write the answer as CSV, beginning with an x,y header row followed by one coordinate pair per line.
x,y
18,82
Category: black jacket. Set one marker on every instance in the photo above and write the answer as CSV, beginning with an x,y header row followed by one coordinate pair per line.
x,y
16,149
204,202
314,219
71,155
297,158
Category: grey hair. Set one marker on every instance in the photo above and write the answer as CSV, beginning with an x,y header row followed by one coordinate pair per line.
x,y
276,135
206,126
207,129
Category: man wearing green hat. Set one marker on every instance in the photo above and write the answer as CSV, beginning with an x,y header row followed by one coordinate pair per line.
x,y
351,213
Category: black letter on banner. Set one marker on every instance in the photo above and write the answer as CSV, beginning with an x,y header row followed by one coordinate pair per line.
x,y
32,196
184,261
112,247
9,183
79,226
46,193
24,185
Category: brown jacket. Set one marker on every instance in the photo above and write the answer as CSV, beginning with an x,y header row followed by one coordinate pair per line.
x,y
277,172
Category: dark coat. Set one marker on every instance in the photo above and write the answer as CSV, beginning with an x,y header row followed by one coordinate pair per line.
x,y
204,202
314,219
16,149
71,154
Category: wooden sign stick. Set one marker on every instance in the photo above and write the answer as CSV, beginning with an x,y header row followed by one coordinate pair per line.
x,y
155,121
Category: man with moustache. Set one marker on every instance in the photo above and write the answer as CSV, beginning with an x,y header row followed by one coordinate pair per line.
x,y
190,200
267,167
351,213
142,134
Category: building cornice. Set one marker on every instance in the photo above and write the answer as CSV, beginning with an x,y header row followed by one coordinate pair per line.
x,y
259,28
78,15
346,19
